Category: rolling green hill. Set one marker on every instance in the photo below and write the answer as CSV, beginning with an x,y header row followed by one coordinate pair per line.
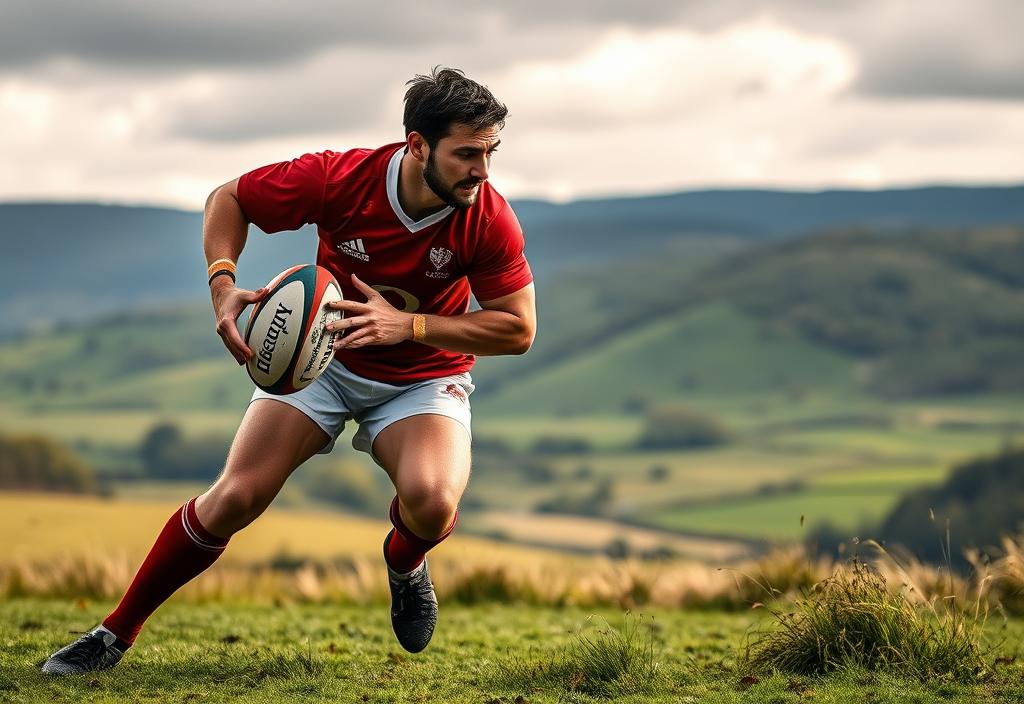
x,y
124,257
915,314
711,349
845,315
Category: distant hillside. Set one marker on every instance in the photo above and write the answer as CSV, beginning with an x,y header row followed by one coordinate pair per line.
x,y
126,257
75,261
895,315
983,500
588,231
842,314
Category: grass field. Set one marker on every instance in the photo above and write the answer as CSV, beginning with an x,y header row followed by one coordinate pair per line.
x,y
594,534
784,517
497,653
39,526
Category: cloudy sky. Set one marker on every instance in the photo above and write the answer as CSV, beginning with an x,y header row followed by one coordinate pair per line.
x,y
134,101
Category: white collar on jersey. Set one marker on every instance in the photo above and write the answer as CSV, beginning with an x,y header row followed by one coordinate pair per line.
x,y
410,224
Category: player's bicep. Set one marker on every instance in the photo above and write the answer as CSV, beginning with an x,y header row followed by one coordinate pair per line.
x,y
522,304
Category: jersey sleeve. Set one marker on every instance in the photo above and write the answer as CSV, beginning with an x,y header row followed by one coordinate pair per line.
x,y
499,266
286,195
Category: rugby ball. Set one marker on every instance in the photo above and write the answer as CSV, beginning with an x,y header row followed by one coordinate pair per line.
x,y
286,331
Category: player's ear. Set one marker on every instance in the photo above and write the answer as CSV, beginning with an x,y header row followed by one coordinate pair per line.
x,y
417,146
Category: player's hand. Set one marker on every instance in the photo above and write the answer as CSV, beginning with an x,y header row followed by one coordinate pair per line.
x,y
228,303
375,322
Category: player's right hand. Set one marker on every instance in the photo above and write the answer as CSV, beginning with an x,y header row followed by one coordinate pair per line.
x,y
228,303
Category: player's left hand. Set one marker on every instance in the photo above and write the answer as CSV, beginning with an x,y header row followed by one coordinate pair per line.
x,y
375,322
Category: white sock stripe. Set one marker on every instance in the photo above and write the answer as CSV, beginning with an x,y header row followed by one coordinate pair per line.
x,y
193,535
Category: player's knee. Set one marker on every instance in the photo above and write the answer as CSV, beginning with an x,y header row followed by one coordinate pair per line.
x,y
235,506
435,520
432,510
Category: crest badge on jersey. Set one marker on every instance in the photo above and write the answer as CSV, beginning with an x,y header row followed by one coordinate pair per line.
x,y
439,257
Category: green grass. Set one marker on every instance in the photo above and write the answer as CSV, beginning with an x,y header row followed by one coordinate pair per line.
x,y
885,478
854,619
913,443
220,653
778,517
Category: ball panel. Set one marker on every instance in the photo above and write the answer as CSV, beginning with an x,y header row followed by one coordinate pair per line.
x,y
317,347
275,334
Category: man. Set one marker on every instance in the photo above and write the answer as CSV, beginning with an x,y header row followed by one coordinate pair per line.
x,y
409,230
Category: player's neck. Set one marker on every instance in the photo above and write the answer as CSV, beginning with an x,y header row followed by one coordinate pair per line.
x,y
415,197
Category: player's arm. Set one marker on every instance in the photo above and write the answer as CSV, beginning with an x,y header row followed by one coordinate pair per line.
x,y
504,325
225,228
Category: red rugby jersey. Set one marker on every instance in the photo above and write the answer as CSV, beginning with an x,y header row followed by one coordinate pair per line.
x,y
427,266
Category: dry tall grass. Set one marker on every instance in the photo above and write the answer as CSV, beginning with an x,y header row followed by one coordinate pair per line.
x,y
596,582
782,574
466,571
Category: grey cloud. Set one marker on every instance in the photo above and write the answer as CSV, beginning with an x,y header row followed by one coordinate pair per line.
x,y
946,69
203,33
938,48
356,88
328,96
904,48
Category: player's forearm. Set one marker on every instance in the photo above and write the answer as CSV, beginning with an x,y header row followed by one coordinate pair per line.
x,y
482,332
225,226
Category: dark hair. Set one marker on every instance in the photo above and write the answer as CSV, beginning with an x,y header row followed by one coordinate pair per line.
x,y
434,103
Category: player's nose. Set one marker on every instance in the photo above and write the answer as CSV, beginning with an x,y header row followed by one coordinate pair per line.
x,y
480,170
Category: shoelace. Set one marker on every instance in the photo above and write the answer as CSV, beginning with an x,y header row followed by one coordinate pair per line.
x,y
86,651
418,588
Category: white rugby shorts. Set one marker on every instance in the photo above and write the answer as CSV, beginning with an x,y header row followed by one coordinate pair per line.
x,y
338,395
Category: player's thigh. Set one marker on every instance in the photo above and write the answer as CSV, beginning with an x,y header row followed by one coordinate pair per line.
x,y
272,440
425,455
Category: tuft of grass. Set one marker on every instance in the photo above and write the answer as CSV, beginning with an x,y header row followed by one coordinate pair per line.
x,y
602,662
1008,576
853,620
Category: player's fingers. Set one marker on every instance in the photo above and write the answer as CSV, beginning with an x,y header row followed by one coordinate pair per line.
x,y
349,306
255,296
346,323
233,341
368,291
356,338
239,358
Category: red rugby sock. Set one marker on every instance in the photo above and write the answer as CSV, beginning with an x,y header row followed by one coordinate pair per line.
x,y
403,549
182,550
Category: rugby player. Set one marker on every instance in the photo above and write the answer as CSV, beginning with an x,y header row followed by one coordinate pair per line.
x,y
409,230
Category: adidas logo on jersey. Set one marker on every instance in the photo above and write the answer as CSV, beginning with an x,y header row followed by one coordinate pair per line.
x,y
355,249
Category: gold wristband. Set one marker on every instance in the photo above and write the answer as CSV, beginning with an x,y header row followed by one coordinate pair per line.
x,y
220,265
419,327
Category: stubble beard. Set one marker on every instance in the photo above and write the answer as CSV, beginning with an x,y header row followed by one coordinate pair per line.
x,y
444,192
